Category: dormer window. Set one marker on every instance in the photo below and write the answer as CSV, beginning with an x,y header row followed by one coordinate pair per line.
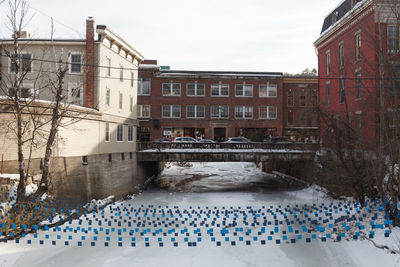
x,y
334,17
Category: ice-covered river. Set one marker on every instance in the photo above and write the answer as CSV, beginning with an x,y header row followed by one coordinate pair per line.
x,y
174,227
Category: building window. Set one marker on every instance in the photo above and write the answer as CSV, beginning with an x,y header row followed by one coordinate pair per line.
x,y
171,89
219,112
328,63
334,17
268,112
358,46
120,100
245,90
108,97
120,132
130,133
244,112
302,100
195,89
393,38
328,94
76,63
24,64
74,94
121,73
342,93
131,104
195,111
314,98
290,98
358,123
290,116
143,111
171,111
268,90
341,55
220,89
144,85
132,78
108,66
358,84
107,132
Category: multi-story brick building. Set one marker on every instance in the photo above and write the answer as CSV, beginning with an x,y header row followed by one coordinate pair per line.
x,y
218,105
300,120
358,61
209,104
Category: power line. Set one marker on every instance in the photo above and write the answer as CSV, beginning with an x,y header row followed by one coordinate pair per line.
x,y
66,26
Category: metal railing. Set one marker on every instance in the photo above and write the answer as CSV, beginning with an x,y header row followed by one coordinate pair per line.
x,y
204,146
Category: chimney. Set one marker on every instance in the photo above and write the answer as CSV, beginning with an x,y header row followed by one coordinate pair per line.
x,y
89,89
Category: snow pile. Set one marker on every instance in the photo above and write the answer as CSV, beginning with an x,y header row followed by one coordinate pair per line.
x,y
94,204
30,189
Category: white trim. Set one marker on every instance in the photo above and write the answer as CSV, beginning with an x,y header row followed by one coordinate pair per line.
x,y
70,62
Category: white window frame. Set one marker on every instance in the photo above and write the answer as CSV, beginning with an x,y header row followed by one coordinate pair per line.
x,y
270,88
107,133
140,111
219,112
171,111
108,97
398,38
70,97
328,62
358,45
140,86
244,110
70,62
196,107
171,89
341,55
244,85
120,132
267,113
20,63
220,85
196,94
131,133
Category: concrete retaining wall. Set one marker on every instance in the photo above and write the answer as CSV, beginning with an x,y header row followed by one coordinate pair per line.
x,y
116,174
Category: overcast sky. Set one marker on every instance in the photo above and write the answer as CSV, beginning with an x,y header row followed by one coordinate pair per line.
x,y
250,35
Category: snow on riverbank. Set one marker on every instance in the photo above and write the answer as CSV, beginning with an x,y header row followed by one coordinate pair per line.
x,y
235,229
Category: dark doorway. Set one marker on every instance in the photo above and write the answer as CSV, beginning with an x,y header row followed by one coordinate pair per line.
x,y
219,134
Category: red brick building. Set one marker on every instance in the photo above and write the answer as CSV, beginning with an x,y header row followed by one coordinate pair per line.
x,y
218,105
358,57
209,104
301,117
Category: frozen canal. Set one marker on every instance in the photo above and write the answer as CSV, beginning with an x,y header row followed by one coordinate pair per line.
x,y
234,228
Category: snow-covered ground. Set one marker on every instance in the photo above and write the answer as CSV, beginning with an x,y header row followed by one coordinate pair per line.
x,y
168,228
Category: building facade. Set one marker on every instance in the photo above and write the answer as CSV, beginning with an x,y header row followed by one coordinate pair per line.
x,y
101,83
358,61
217,105
300,108
208,104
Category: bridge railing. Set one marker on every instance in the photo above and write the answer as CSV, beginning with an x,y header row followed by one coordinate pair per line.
x,y
204,146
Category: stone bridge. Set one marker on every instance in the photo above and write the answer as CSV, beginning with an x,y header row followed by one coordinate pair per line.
x,y
290,158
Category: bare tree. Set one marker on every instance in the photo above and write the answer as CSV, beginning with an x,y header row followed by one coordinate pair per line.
x,y
370,169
